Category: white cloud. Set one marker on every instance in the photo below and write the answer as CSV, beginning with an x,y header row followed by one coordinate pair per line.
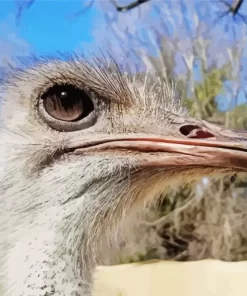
x,y
11,44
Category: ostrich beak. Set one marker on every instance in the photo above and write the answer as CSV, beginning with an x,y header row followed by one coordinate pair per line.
x,y
203,144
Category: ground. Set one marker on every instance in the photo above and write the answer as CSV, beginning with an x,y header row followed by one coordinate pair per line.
x,y
159,278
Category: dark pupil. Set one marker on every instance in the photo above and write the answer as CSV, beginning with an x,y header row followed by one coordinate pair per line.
x,y
66,98
67,103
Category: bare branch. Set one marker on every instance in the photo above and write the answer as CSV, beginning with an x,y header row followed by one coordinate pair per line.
x,y
129,6
21,7
84,9
233,9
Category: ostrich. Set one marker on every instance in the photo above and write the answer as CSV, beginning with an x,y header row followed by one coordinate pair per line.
x,y
83,147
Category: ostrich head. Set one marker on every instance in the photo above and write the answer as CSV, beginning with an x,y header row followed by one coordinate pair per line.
x,y
82,147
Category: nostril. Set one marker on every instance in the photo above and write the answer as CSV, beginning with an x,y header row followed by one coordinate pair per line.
x,y
195,132
187,129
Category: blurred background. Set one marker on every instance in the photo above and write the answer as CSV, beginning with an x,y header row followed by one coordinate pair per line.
x,y
201,46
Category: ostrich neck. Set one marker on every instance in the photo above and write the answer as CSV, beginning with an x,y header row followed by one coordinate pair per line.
x,y
53,227
43,261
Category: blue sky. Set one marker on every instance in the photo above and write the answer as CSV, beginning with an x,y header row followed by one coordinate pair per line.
x,y
49,26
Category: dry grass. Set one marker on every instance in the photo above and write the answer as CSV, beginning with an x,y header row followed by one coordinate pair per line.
x,y
210,222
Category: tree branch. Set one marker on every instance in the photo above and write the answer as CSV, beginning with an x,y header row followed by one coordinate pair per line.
x,y
233,9
129,6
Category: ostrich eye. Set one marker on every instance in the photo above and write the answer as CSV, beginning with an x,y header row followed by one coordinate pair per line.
x,y
67,103
67,108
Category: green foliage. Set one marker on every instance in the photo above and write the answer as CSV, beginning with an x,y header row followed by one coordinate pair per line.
x,y
205,92
237,116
